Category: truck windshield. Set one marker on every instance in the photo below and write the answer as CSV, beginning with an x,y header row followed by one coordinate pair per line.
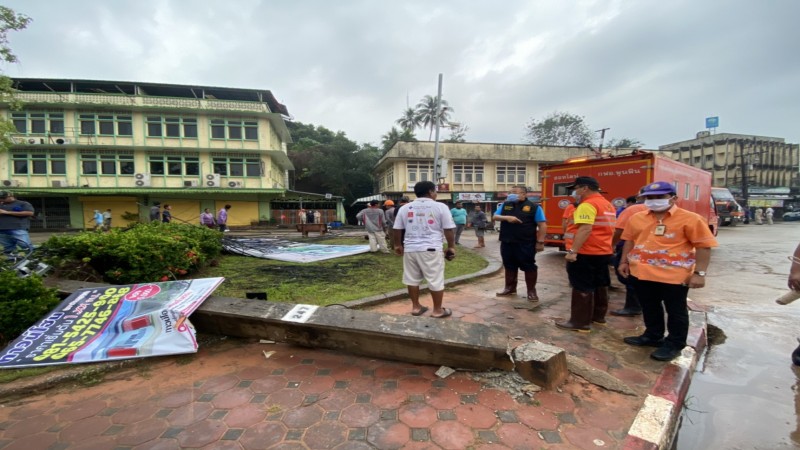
x,y
722,194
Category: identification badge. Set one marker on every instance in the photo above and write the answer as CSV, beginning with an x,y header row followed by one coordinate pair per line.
x,y
660,230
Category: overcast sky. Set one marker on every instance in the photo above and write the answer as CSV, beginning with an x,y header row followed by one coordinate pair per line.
x,y
649,70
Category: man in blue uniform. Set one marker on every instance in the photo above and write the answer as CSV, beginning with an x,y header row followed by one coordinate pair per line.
x,y
522,231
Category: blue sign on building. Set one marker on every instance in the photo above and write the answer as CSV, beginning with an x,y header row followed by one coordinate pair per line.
x,y
712,122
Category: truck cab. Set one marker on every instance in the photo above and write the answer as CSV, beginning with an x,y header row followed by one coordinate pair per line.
x,y
729,211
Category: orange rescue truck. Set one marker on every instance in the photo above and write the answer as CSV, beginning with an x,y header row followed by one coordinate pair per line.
x,y
619,178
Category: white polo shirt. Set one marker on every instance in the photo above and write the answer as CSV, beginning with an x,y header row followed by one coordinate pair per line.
x,y
424,220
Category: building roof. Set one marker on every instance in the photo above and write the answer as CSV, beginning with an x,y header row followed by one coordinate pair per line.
x,y
132,88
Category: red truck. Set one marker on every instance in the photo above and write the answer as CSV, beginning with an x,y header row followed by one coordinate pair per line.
x,y
619,178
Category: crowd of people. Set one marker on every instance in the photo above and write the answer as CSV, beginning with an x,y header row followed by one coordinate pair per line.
x,y
659,252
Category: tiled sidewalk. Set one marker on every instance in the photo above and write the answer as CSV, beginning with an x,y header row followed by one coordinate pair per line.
x,y
230,395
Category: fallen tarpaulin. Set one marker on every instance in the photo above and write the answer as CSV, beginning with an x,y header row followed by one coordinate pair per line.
x,y
289,251
113,322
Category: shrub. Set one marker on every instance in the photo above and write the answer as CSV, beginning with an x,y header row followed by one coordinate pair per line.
x,y
143,253
23,302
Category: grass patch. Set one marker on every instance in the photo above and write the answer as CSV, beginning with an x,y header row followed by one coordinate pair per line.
x,y
325,282
7,376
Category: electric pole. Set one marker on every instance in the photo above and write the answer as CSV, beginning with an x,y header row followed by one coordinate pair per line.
x,y
602,137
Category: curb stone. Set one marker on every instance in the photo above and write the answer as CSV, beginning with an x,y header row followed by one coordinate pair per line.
x,y
656,425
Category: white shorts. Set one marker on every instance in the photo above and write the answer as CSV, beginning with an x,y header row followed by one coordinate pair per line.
x,y
418,266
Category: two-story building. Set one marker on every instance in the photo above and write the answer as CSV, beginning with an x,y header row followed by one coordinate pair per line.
x,y
81,145
472,172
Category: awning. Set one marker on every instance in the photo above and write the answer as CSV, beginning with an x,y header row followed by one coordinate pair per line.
x,y
281,159
191,191
378,197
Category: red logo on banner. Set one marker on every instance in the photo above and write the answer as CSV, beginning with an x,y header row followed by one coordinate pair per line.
x,y
143,292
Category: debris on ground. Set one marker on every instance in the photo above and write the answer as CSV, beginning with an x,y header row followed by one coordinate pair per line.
x,y
510,382
444,372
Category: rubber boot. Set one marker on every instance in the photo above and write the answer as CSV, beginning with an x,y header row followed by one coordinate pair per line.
x,y
530,283
632,306
796,355
581,314
511,284
600,305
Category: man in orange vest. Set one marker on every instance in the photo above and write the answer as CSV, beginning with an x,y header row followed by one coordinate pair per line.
x,y
590,255
667,251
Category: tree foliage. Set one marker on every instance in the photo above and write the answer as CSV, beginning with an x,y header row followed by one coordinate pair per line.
x,y
624,143
327,161
394,136
410,120
9,21
559,128
426,111
458,132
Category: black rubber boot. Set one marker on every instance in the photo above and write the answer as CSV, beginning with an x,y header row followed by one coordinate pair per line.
x,y
796,356
530,283
581,314
511,284
600,305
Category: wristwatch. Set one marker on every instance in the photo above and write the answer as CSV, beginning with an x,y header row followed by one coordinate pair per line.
x,y
570,251
700,273
540,242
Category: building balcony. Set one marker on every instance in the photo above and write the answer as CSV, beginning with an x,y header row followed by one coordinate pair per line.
x,y
140,102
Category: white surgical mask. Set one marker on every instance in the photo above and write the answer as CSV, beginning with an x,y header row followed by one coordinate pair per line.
x,y
512,198
573,194
657,204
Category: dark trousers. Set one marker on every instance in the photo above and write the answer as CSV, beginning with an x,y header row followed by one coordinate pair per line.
x,y
655,297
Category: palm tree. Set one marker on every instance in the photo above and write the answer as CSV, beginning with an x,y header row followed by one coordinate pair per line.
x,y
410,120
389,139
426,110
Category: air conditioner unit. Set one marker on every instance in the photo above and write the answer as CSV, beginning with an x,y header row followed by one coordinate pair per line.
x,y
235,184
190,183
10,183
62,141
59,183
142,179
212,180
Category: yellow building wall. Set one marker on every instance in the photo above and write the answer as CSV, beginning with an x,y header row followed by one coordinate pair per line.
x,y
184,211
118,205
240,214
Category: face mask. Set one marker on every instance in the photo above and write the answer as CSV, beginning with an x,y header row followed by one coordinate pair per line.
x,y
573,194
657,204
512,198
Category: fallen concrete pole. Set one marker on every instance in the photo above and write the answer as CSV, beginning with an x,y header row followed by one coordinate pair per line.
x,y
422,340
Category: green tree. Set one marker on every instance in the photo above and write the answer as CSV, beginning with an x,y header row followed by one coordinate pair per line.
x,y
559,128
327,161
9,21
458,132
625,143
394,136
426,111
410,120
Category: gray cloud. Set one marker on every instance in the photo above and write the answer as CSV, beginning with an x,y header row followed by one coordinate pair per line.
x,y
647,69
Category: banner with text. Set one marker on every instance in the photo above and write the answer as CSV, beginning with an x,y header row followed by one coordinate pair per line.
x,y
114,322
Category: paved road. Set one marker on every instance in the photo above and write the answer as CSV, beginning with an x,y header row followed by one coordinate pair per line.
x,y
745,395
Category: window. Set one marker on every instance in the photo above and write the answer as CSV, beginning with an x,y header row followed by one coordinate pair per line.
x,y
697,193
511,174
389,177
31,122
36,163
101,163
178,165
232,166
419,171
106,124
467,172
686,188
174,127
235,129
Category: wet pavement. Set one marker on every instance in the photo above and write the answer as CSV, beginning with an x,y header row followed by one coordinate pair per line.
x,y
233,395
746,393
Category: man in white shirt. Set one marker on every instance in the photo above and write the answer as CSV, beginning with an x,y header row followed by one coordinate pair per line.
x,y
425,222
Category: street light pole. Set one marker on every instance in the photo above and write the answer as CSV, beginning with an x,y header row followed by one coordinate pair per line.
x,y
436,174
